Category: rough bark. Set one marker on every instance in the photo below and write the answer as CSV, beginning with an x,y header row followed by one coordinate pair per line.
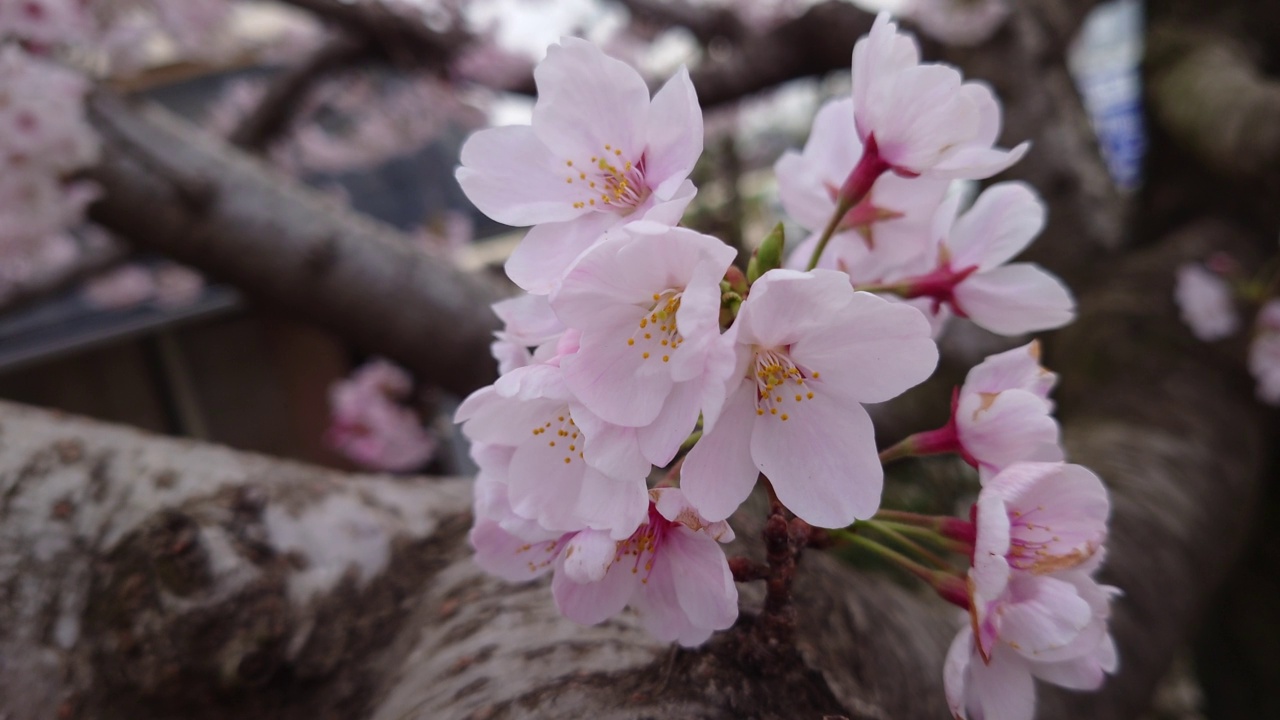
x,y
174,190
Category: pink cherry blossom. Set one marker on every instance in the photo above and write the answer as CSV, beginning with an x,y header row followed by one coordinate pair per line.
x,y
599,152
1035,610
370,427
969,265
647,300
671,570
810,350
531,332
1001,415
1264,353
1206,302
885,231
921,118
959,22
45,22
123,287
564,475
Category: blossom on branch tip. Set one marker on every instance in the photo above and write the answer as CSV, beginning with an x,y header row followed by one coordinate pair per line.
x,y
810,351
647,302
923,118
969,271
1035,610
599,152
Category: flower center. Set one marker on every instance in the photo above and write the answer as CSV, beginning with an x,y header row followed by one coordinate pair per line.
x,y
609,181
779,381
643,544
562,435
657,334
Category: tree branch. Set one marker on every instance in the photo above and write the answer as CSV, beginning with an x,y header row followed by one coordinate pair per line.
x,y
285,244
287,92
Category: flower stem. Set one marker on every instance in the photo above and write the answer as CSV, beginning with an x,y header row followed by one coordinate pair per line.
x,y
842,208
895,535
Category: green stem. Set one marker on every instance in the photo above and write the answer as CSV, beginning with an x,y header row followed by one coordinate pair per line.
x,y
909,544
927,535
889,554
842,208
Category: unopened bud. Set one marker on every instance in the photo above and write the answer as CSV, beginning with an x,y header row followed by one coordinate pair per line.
x,y
769,255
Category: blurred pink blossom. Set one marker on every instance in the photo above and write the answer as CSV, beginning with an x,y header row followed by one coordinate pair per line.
x,y
1206,302
370,427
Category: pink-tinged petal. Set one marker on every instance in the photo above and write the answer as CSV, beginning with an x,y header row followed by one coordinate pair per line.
x,y
802,192
1206,302
540,482
787,305
512,177
1002,689
609,378
675,134
658,605
806,180
821,460
1018,368
587,556
1016,299
1041,614
491,418
671,504
1060,513
975,162
704,584
548,250
587,100
1004,219
1082,673
718,473
509,557
528,319
611,449
667,211
877,60
726,363
610,505
924,120
999,430
661,439
873,350
592,603
955,671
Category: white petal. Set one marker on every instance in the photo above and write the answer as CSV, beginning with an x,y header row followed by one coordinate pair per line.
x,y
870,351
591,603
586,100
821,460
704,584
1004,219
1003,689
675,134
718,473
548,250
512,177
588,555
1015,299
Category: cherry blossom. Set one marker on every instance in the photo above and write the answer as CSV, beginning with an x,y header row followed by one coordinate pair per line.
x,y
1264,353
370,427
918,118
671,570
884,232
969,270
565,475
1001,415
528,323
1206,302
1035,610
647,300
599,152
810,350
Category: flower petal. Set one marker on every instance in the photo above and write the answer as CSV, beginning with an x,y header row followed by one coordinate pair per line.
x,y
821,460
718,473
675,134
512,177
1015,299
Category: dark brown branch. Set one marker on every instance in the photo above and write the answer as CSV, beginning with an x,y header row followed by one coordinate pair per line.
x,y
400,37
706,23
287,92
288,246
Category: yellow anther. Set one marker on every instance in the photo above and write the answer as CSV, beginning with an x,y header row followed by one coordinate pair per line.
x,y
810,396
645,356
784,417
759,411
799,398
666,358
631,341
656,296
567,461
593,202
551,444
617,152
773,411
582,176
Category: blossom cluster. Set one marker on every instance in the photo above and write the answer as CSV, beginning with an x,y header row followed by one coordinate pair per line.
x,y
1209,297
638,346
371,427
43,138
